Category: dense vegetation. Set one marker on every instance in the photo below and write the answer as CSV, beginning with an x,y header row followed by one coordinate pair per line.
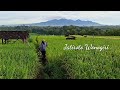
x,y
18,61
21,61
72,30
82,64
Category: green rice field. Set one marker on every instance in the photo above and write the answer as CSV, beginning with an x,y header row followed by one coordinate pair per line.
x,y
20,61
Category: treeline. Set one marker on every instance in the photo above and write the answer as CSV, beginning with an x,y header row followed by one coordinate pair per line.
x,y
67,30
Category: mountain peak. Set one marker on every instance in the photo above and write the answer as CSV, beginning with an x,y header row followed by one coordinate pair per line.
x,y
67,22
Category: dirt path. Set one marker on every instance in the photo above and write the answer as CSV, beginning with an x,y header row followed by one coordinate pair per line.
x,y
43,61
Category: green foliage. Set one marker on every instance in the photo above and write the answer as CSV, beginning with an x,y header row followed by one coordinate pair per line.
x,y
67,30
30,40
82,64
18,61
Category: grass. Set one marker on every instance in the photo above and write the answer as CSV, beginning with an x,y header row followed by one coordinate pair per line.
x,y
18,61
82,64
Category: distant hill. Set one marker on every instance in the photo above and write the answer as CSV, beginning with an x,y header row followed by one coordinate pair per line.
x,y
66,22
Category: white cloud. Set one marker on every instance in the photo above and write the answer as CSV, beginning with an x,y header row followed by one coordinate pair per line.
x,y
22,17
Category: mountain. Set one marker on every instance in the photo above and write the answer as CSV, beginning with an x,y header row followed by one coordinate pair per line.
x,y
66,22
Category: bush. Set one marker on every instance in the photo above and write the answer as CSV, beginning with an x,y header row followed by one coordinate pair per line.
x,y
30,40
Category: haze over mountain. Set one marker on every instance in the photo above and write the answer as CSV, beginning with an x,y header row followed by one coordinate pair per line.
x,y
66,22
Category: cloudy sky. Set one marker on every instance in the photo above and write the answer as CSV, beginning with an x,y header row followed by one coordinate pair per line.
x,y
27,17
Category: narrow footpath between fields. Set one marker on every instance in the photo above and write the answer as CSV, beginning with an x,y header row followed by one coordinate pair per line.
x,y
43,61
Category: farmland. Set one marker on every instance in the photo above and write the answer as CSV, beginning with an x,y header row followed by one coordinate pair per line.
x,y
82,64
18,60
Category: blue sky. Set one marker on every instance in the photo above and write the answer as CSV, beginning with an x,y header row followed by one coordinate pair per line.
x,y
26,17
